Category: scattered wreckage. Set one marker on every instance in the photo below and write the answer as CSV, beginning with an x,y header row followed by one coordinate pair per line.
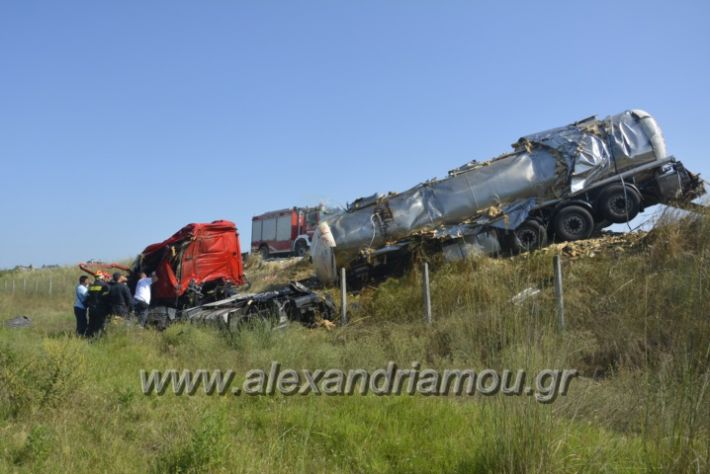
x,y
199,273
295,302
559,185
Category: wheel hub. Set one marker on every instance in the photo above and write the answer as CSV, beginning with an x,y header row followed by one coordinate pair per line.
x,y
528,238
574,225
620,205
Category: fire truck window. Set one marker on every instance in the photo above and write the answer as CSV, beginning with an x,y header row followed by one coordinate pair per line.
x,y
255,231
312,218
268,229
283,228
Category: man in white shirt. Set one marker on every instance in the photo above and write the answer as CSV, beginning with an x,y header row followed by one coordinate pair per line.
x,y
80,305
142,296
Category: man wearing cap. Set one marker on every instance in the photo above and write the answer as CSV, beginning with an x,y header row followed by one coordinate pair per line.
x,y
119,296
97,303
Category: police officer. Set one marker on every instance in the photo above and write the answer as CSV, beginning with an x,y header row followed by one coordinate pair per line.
x,y
119,296
97,303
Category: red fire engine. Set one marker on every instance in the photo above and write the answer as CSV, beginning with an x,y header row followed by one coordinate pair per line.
x,y
285,232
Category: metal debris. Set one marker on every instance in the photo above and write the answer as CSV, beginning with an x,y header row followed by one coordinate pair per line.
x,y
295,302
524,295
19,322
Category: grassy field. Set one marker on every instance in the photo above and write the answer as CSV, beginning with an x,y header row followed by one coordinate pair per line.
x,y
638,331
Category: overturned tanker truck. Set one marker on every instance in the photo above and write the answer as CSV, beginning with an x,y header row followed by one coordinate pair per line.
x,y
561,184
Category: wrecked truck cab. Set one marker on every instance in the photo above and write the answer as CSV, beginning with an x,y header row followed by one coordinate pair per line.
x,y
200,271
560,184
199,263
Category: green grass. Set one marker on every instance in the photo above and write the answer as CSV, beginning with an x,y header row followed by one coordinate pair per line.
x,y
638,330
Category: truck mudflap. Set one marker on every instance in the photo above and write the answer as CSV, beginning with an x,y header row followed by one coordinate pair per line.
x,y
294,302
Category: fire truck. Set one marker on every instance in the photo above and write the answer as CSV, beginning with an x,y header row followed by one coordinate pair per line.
x,y
285,232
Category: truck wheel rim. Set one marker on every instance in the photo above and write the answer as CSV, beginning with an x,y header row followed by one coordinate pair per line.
x,y
574,225
528,238
620,205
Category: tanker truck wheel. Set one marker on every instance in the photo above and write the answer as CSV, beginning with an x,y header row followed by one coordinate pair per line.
x,y
619,203
530,235
573,222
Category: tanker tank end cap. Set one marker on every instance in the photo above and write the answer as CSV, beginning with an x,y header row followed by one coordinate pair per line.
x,y
325,235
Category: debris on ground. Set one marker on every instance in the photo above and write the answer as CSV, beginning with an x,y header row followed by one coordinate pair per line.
x,y
524,295
324,323
608,243
19,322
294,302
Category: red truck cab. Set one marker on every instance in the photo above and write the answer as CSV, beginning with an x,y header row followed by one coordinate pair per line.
x,y
285,232
200,262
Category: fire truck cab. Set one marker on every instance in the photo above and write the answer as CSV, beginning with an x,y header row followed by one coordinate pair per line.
x,y
285,232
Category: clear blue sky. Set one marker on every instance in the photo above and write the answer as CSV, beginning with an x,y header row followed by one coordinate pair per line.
x,y
122,121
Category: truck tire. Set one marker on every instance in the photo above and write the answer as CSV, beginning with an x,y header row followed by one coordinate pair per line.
x,y
619,203
301,248
264,252
573,222
530,235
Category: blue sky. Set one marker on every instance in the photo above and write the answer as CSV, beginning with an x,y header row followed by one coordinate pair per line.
x,y
122,121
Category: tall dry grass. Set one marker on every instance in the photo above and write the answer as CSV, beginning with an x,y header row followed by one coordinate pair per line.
x,y
638,331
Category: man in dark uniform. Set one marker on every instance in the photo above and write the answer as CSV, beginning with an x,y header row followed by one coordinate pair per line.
x,y
119,297
97,303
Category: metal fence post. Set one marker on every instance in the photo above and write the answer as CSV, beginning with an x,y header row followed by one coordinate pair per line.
x,y
559,292
50,286
13,286
427,295
343,298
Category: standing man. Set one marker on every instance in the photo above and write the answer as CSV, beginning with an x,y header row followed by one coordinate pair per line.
x,y
97,303
142,296
119,296
80,294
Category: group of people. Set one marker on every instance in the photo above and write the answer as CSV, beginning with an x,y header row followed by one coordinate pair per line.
x,y
95,302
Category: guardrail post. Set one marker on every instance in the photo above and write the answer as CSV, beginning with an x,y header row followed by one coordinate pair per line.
x,y
343,298
559,292
427,294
